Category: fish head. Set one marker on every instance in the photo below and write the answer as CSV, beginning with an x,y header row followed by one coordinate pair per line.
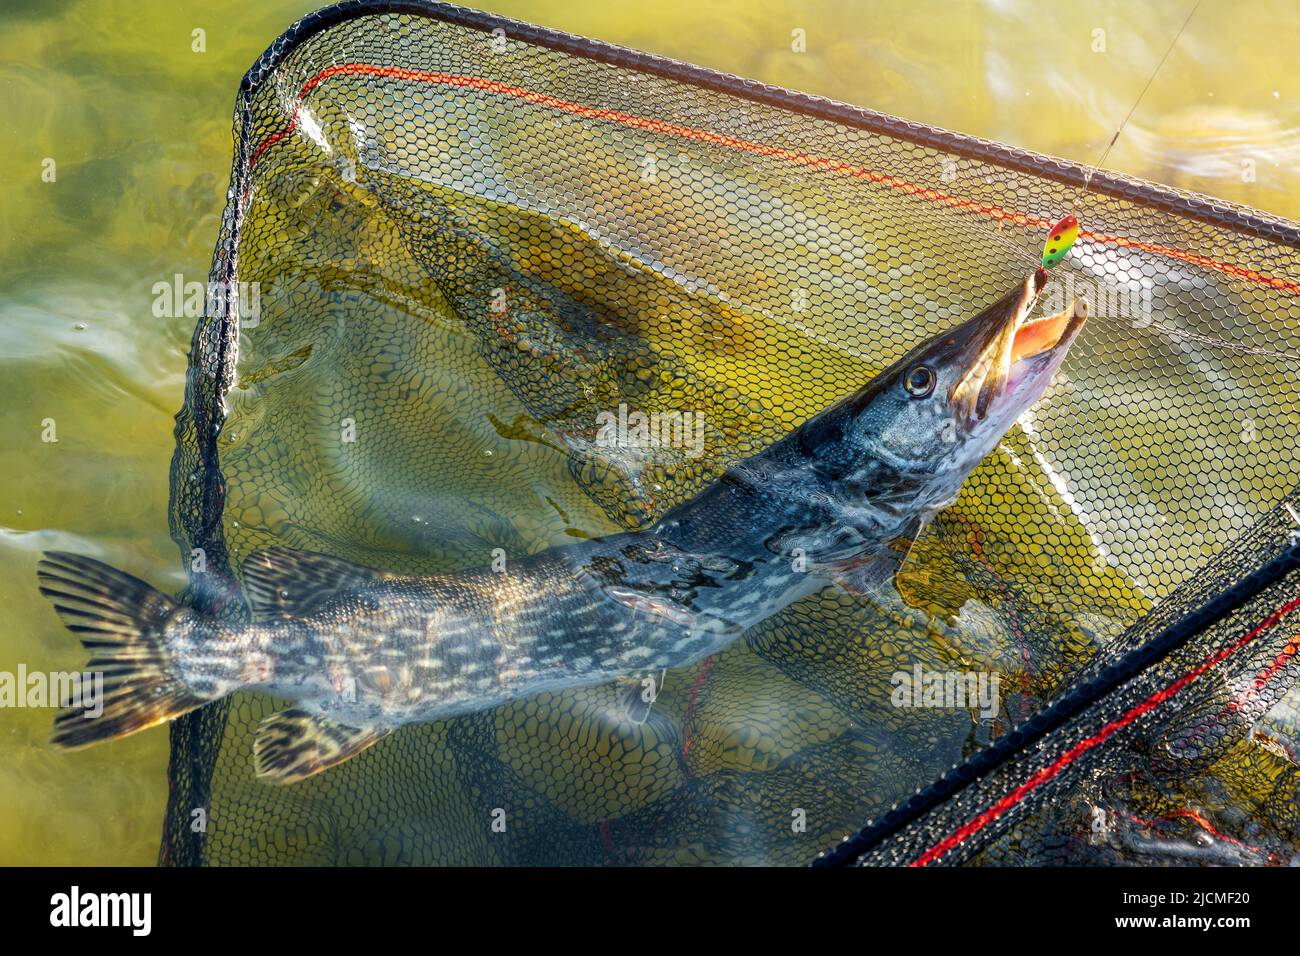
x,y
931,417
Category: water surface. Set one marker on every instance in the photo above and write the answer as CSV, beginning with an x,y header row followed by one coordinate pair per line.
x,y
137,124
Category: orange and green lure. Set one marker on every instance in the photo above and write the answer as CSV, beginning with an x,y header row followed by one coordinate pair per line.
x,y
1059,240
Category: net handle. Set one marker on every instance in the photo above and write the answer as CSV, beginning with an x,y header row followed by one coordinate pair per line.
x,y
1168,640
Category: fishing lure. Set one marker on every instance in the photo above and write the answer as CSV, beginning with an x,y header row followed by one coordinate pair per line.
x,y
1059,240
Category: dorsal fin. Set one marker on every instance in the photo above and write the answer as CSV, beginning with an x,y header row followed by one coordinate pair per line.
x,y
294,745
283,581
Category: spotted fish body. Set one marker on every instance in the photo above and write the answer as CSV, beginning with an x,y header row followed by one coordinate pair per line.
x,y
382,648
363,652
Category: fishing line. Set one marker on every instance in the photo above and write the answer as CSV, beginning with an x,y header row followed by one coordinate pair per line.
x,y
1021,253
1087,180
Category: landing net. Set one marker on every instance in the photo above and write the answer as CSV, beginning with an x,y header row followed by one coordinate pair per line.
x,y
460,240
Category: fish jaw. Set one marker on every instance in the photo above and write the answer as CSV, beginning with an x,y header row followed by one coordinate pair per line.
x,y
1018,362
991,341
1038,351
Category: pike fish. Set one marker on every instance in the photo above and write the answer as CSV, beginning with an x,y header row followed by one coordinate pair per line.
x,y
362,652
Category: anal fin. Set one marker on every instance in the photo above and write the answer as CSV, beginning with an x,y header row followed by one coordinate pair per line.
x,y
294,745
874,574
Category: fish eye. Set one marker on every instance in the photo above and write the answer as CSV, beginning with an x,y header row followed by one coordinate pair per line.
x,y
920,381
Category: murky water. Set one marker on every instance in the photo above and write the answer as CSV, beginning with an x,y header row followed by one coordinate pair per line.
x,y
111,102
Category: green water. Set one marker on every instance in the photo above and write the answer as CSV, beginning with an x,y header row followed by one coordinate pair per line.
x,y
137,124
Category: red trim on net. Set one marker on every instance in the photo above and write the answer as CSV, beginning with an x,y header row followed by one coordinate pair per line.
x,y
700,680
1275,667
759,149
1043,775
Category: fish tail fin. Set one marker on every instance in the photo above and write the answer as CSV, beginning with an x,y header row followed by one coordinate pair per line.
x,y
121,620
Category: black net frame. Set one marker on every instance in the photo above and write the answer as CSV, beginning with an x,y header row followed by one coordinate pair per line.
x,y
1190,231
1162,693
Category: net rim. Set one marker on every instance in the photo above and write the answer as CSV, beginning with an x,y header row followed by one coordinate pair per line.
x,y
1204,208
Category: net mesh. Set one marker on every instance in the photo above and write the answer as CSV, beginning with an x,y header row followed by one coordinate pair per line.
x,y
453,241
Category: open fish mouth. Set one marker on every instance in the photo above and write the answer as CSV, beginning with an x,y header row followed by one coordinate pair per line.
x,y
1018,355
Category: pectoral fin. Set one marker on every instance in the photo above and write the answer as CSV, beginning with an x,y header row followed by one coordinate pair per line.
x,y
657,605
869,577
294,745
875,573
